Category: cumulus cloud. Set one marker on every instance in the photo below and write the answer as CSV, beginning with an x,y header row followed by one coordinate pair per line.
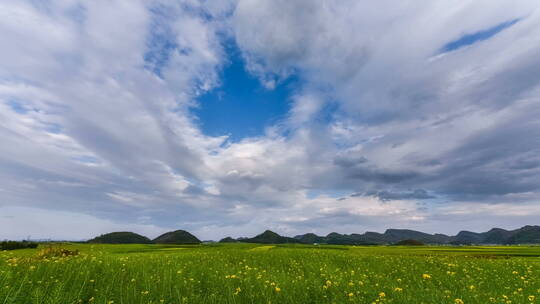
x,y
96,120
402,110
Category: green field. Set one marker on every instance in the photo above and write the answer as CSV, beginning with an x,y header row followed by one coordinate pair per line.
x,y
250,273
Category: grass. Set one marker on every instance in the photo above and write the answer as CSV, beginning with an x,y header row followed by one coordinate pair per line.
x,y
251,273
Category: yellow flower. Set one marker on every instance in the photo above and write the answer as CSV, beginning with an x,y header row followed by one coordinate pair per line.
x,y
237,290
350,294
426,276
382,295
398,289
459,301
531,298
278,289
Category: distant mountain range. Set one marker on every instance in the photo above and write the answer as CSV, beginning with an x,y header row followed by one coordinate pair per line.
x,y
267,237
495,236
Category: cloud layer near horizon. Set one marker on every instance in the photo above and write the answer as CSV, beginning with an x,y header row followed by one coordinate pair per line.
x,y
388,127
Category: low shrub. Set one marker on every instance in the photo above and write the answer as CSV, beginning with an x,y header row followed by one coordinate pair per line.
x,y
12,245
409,243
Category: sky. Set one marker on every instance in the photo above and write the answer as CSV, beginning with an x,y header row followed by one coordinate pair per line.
x,y
230,117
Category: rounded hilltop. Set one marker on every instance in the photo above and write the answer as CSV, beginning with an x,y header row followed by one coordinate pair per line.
x,y
228,240
177,237
122,237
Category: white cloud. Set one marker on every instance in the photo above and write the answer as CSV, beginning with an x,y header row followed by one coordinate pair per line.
x,y
95,115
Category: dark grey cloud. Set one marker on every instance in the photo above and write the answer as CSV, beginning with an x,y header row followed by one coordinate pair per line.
x,y
497,161
359,167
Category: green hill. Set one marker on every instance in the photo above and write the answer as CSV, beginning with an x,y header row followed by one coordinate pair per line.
x,y
497,236
525,235
228,240
123,237
310,238
270,237
177,237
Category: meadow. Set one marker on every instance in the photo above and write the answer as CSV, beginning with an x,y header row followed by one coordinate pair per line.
x,y
251,273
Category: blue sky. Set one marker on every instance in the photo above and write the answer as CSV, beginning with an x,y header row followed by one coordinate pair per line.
x,y
227,118
241,106
471,38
